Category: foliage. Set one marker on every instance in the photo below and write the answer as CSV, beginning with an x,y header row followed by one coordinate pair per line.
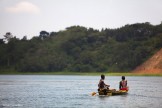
x,y
81,49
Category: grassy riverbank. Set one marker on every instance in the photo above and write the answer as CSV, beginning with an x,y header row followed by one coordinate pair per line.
x,y
79,73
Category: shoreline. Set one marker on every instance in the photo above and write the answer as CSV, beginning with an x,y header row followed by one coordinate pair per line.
x,y
81,73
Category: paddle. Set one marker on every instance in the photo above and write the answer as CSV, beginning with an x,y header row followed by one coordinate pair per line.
x,y
94,93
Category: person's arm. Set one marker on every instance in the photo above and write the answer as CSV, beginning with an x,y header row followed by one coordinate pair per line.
x,y
106,84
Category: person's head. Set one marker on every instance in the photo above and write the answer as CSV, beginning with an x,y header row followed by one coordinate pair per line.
x,y
123,77
102,76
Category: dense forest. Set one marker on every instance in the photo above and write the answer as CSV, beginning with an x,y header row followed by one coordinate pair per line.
x,y
81,49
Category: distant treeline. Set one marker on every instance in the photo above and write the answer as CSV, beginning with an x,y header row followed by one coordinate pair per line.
x,y
81,49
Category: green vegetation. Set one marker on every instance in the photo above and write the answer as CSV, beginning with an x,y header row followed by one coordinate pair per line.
x,y
80,49
80,73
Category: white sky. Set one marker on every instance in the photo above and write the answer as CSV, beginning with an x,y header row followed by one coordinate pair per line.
x,y
29,17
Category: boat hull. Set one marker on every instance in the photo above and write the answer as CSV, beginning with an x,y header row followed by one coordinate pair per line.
x,y
113,93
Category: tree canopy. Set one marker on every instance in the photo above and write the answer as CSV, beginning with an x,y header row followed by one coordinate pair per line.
x,y
82,49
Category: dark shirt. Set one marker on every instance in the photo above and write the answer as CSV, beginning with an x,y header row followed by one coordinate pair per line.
x,y
101,84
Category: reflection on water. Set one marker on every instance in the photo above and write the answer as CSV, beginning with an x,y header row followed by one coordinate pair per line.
x,y
30,91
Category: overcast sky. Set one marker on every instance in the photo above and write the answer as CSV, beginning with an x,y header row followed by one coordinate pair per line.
x,y
29,17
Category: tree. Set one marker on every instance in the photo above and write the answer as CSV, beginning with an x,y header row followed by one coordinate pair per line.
x,y
43,35
24,38
53,34
1,41
8,36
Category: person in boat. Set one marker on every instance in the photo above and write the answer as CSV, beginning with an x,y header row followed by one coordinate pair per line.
x,y
102,86
123,84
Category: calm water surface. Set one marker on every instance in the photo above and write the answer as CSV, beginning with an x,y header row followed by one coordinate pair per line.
x,y
54,91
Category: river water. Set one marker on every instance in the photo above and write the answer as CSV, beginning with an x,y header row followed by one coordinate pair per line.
x,y
58,91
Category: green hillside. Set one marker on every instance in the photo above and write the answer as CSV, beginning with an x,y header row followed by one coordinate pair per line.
x,y
81,49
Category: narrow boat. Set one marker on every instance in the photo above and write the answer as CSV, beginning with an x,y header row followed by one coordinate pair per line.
x,y
112,92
